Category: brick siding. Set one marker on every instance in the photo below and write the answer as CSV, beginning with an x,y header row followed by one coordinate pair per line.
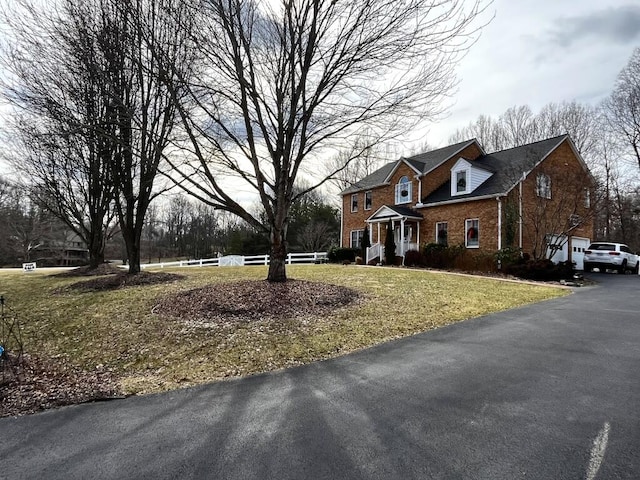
x,y
568,181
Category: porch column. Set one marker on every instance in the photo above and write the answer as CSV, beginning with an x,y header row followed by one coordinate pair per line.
x,y
418,233
379,232
402,236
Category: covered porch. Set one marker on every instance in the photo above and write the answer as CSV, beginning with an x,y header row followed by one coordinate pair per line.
x,y
406,229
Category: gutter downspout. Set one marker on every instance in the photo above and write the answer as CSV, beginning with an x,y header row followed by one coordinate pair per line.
x,y
520,213
499,223
341,221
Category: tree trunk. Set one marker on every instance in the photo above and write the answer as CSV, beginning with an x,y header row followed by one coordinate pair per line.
x,y
132,244
133,257
278,258
96,250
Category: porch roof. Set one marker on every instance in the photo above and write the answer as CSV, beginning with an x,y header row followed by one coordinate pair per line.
x,y
394,212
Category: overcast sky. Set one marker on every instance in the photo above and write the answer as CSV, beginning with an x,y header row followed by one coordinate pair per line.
x,y
540,51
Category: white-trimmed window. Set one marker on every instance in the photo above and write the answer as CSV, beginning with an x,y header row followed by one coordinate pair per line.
x,y
356,238
543,185
462,182
403,190
368,199
354,202
472,233
442,235
587,198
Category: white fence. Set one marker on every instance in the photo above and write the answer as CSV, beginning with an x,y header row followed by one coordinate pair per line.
x,y
239,260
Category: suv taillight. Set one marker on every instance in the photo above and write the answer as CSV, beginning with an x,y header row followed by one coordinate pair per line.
x,y
614,253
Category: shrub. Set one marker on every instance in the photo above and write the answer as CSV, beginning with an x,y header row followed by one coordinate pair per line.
x,y
339,255
475,262
543,270
413,258
508,256
441,256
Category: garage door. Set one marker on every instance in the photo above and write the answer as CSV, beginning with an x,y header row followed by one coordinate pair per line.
x,y
578,246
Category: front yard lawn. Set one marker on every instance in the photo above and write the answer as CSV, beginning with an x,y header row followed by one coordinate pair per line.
x,y
146,342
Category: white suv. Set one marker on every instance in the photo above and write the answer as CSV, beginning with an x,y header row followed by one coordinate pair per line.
x,y
610,256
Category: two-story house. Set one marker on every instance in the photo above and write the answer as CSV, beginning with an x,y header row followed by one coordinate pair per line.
x,y
535,197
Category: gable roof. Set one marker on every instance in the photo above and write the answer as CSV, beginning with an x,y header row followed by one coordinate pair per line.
x,y
430,160
421,164
509,167
393,212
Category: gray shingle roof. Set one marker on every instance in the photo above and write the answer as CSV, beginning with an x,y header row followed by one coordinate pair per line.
x,y
402,211
376,178
508,167
424,162
430,160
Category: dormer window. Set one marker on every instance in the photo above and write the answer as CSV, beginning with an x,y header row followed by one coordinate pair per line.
x,y
466,177
461,181
403,190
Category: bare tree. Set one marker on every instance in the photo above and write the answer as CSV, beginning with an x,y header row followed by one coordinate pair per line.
x,y
144,106
290,82
62,141
352,164
582,123
27,228
103,112
623,106
519,126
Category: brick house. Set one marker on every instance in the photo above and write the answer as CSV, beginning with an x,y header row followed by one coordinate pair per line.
x,y
535,197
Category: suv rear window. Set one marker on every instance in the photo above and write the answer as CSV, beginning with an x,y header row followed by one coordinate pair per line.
x,y
602,246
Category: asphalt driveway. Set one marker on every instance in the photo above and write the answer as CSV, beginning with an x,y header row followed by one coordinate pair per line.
x,y
549,391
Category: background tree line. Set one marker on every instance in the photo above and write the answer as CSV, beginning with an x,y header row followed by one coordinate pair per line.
x,y
176,227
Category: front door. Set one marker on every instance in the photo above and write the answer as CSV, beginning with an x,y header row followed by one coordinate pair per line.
x,y
408,232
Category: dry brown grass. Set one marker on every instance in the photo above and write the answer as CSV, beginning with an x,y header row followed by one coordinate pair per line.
x,y
122,332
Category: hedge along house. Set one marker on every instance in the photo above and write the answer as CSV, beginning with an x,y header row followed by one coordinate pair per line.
x,y
535,197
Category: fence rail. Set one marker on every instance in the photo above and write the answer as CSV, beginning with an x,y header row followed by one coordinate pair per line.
x,y
240,260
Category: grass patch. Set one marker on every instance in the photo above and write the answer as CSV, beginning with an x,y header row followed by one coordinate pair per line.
x,y
149,352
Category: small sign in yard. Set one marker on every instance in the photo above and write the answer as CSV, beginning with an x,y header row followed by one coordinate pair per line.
x,y
28,267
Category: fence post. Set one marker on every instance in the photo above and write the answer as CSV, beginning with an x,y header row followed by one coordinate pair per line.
x,y
200,262
266,259
288,259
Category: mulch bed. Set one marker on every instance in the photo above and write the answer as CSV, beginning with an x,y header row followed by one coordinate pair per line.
x,y
121,280
256,300
87,271
42,384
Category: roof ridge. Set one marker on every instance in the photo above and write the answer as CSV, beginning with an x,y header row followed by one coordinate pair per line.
x,y
442,148
530,143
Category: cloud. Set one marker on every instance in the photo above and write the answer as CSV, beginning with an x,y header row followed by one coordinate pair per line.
x,y
617,25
